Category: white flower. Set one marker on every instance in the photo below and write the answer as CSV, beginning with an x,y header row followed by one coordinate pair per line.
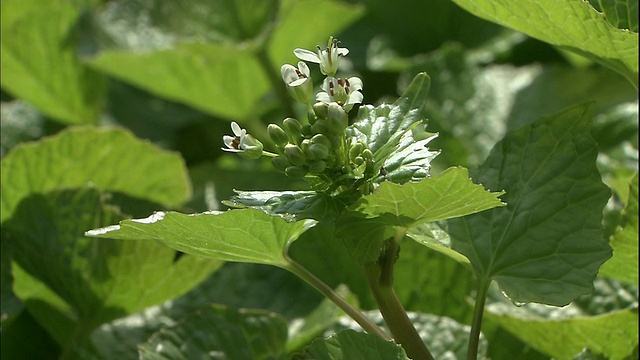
x,y
298,81
345,92
329,58
242,143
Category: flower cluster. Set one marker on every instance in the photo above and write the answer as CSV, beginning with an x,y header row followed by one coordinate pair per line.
x,y
317,147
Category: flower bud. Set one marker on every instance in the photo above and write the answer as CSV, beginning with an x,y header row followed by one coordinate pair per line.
x,y
321,139
317,152
294,154
367,154
296,172
355,150
337,118
320,109
280,163
293,128
306,130
358,160
317,167
277,135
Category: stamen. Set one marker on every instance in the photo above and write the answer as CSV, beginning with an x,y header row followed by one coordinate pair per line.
x,y
236,143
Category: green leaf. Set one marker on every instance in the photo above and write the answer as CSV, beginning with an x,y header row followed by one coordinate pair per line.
x,y
220,332
564,332
91,277
444,196
208,52
624,263
39,62
352,345
223,236
110,159
573,25
396,136
622,14
547,244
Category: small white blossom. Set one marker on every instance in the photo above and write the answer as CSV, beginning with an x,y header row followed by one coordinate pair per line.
x,y
329,58
242,143
345,92
298,81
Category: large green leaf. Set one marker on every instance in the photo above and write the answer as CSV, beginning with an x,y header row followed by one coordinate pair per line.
x,y
88,281
624,263
39,62
110,159
373,218
564,332
547,244
574,25
245,235
220,332
352,345
207,53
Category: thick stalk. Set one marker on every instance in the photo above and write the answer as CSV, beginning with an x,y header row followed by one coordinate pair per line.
x,y
328,292
476,324
380,277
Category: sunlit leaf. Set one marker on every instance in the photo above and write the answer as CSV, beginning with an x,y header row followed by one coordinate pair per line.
x,y
395,134
373,217
624,263
39,61
110,159
223,236
547,244
574,25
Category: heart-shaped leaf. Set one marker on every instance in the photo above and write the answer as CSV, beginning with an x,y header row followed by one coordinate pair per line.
x,y
547,244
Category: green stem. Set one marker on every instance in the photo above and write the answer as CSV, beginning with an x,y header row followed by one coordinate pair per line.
x,y
276,81
328,292
380,277
476,324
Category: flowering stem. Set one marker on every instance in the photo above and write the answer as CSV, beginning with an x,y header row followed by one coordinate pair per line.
x,y
380,277
269,154
275,80
328,292
476,325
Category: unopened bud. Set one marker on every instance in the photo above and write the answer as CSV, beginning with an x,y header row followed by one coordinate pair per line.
x,y
317,166
321,139
317,151
320,109
356,150
294,154
296,172
280,163
293,128
277,135
337,118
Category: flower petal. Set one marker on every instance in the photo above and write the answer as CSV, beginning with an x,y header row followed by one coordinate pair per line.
x,y
288,73
355,84
307,55
228,141
237,130
302,66
324,97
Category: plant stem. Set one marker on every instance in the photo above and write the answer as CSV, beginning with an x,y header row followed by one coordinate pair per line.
x,y
476,324
328,292
276,82
380,276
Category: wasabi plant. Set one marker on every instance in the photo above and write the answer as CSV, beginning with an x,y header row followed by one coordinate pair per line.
x,y
368,170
